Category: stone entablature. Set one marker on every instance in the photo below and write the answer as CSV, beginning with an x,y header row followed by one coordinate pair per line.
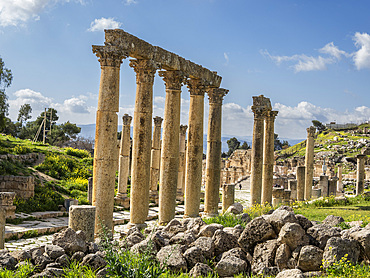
x,y
24,187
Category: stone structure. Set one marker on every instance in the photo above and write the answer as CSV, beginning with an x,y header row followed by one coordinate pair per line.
x,y
268,157
24,187
324,185
148,58
228,196
82,218
360,174
332,186
292,186
213,160
124,163
6,204
182,161
309,162
155,163
89,189
277,195
340,179
300,182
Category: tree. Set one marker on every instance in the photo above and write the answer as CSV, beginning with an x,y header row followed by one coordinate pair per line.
x,y
24,113
279,145
319,126
233,144
245,146
6,78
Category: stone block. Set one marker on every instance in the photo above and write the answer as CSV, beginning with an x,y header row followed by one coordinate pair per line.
x,y
70,202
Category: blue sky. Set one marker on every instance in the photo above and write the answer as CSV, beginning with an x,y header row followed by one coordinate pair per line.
x,y
311,58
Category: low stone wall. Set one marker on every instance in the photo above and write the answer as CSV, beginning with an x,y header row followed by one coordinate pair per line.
x,y
29,158
24,187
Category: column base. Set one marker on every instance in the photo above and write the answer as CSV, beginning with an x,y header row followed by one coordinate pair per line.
x,y
139,226
154,196
210,214
122,200
180,196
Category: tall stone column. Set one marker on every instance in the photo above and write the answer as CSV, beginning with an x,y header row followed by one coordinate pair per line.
x,y
141,142
124,161
155,157
105,157
170,146
213,159
360,174
181,173
268,157
194,151
257,153
310,144
340,178
300,182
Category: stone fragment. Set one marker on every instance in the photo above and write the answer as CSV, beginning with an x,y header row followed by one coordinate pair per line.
x,y
194,224
209,230
282,256
268,271
245,218
333,220
172,257
94,261
290,273
256,231
174,227
264,255
200,270
292,235
193,256
134,238
42,261
78,256
70,240
235,208
336,248
183,238
7,261
22,255
237,252
310,258
229,266
323,232
207,246
303,221
102,273
280,217
144,247
158,239
83,218
363,237
54,251
224,242
63,260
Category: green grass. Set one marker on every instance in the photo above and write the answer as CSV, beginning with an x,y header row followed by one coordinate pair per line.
x,y
226,220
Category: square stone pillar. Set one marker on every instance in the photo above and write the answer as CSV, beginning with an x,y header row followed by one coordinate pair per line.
x,y
300,182
228,196
277,195
332,186
324,185
340,179
292,186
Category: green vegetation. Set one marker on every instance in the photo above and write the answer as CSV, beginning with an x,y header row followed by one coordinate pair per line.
x,y
23,271
227,220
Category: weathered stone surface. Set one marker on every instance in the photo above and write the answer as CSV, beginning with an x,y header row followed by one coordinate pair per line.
x,y
310,258
41,261
144,246
336,248
83,218
134,238
172,257
54,251
235,208
209,230
303,221
158,239
102,273
264,255
207,246
323,232
268,271
245,218
280,217
185,238
63,260
230,266
224,242
333,220
193,256
78,256
7,261
292,235
256,231
290,273
363,237
194,224
200,269
282,256
22,255
94,261
70,240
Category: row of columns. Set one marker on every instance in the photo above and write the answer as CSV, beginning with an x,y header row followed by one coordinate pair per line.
x,y
145,156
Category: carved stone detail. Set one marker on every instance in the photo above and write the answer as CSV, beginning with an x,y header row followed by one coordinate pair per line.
x,y
259,111
126,119
157,121
145,70
173,79
109,56
196,87
183,129
271,115
311,131
216,95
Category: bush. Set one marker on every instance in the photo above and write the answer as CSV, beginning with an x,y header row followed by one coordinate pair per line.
x,y
77,152
19,149
226,220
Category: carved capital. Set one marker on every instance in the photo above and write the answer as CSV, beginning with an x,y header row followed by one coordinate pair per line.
x,y
126,119
172,78
259,111
271,115
196,87
109,56
183,129
216,95
262,101
158,121
311,131
360,156
145,70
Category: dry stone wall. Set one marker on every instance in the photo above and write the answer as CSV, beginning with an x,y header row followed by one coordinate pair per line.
x,y
24,187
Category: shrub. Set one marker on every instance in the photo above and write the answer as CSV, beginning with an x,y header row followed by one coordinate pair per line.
x,y
226,220
258,210
19,149
77,152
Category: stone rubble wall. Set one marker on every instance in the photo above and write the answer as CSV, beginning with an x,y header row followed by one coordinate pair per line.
x,y
24,187
29,158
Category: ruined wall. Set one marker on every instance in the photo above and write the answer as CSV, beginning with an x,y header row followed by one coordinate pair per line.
x,y
24,187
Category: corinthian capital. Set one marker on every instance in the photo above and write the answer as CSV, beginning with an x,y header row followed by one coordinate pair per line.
x,y
196,87
216,95
271,115
109,56
311,131
145,70
259,111
157,121
172,78
183,129
126,119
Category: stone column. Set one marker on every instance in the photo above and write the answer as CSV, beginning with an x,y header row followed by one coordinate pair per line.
x,y
332,186
300,182
310,144
170,146
360,174
2,226
181,173
82,218
194,151
155,158
324,185
89,189
268,157
228,196
340,179
257,153
141,142
213,159
124,162
292,186
277,195
105,158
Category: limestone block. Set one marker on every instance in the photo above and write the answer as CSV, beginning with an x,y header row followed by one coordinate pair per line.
x,y
83,218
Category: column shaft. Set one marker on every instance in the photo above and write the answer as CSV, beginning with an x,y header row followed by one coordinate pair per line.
x,y
194,152
310,144
213,159
156,156
360,174
105,158
182,161
300,182
170,146
268,157
124,156
141,144
340,178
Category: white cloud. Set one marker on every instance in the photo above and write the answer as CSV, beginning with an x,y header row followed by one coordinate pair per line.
x,y
361,57
226,56
129,2
104,23
333,50
74,105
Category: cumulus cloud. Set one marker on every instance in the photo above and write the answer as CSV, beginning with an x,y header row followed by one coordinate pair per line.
x,y
129,2
104,23
333,50
74,105
361,57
